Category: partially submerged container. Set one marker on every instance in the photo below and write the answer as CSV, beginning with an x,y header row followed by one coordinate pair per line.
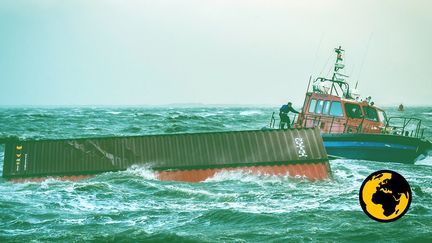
x,y
183,157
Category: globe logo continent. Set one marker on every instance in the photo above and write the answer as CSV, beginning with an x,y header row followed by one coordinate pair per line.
x,y
385,196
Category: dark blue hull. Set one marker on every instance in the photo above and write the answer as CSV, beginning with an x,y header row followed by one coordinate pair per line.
x,y
376,147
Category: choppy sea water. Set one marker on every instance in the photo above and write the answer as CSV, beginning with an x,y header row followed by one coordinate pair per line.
x,y
134,206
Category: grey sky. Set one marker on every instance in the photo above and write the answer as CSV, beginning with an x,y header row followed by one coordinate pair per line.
x,y
225,52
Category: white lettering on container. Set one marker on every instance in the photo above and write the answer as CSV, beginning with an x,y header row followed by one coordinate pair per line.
x,y
301,150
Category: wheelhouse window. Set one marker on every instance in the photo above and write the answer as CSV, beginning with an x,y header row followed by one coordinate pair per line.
x,y
382,116
353,110
326,107
370,113
319,106
336,109
312,105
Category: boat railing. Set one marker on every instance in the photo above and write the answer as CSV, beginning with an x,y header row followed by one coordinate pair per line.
x,y
404,126
275,119
272,120
343,87
310,121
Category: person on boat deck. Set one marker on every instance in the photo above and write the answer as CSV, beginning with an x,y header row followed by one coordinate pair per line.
x,y
283,114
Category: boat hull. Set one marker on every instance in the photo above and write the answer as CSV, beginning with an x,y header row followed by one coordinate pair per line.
x,y
376,147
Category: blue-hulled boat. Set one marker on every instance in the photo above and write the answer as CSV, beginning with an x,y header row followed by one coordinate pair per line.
x,y
353,127
376,147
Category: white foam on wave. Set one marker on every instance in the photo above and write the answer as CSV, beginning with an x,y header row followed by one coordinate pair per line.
x,y
47,182
84,196
175,116
195,191
250,113
425,160
142,171
113,112
427,190
85,203
259,208
207,114
264,201
244,176
346,169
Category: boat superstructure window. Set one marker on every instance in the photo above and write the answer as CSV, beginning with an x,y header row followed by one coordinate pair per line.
x,y
326,107
312,105
336,109
353,110
370,113
382,116
319,106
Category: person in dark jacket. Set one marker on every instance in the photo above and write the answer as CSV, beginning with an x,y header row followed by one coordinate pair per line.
x,y
283,114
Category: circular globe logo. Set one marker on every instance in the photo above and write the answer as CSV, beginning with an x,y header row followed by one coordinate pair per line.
x,y
385,196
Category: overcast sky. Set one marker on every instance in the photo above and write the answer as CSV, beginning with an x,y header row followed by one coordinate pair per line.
x,y
207,51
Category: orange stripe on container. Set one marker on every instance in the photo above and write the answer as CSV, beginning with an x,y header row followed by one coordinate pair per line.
x,y
317,171
313,172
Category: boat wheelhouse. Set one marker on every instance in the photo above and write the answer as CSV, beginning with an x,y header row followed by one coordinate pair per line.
x,y
338,115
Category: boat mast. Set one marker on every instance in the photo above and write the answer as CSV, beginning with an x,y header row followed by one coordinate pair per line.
x,y
337,76
338,64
